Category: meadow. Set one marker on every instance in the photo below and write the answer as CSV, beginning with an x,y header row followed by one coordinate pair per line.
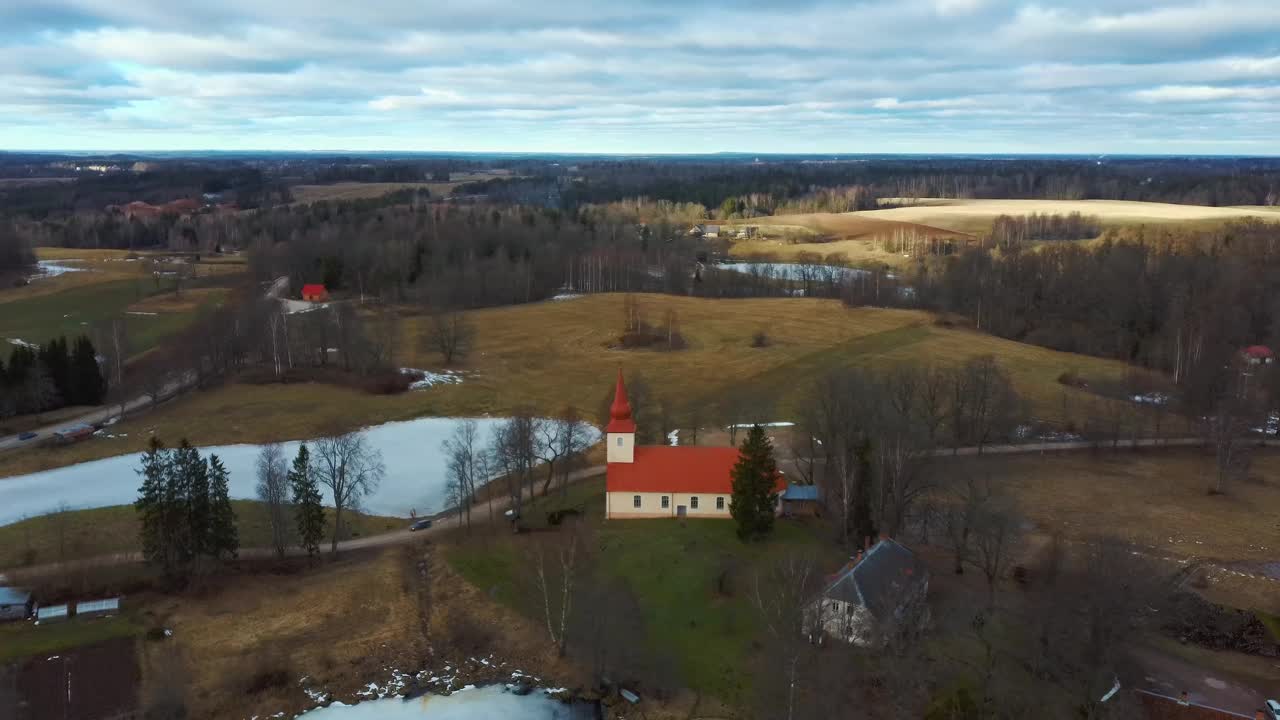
x,y
545,356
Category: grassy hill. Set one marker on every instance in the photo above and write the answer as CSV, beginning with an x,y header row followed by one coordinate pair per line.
x,y
552,354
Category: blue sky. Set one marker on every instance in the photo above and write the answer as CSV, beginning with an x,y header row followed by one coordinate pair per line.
x,y
647,76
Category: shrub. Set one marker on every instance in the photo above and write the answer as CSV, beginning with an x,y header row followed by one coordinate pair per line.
x,y
1071,379
759,339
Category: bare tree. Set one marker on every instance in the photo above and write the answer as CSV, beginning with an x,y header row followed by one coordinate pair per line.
x,y
351,469
1225,430
995,536
836,416
782,599
556,561
984,402
273,491
465,466
964,508
514,454
450,333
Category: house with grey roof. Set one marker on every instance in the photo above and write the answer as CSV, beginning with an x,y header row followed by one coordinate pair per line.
x,y
880,594
15,604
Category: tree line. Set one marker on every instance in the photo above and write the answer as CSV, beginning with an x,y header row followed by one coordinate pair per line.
x,y
184,509
51,376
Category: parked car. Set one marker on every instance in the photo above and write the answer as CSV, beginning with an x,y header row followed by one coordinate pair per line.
x,y
420,525
1273,707
27,435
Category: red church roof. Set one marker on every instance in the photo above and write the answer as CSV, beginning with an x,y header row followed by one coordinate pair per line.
x,y
690,469
620,412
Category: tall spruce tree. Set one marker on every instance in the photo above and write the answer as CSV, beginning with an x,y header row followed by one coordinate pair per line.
x,y
56,362
224,538
150,504
754,476
86,383
306,502
192,472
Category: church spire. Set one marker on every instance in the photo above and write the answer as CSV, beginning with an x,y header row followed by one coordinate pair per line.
x,y
620,412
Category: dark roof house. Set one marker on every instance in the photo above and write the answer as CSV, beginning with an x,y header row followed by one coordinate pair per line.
x,y
878,593
15,603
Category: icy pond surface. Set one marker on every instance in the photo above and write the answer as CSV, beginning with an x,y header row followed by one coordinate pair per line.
x,y
415,476
473,704
791,271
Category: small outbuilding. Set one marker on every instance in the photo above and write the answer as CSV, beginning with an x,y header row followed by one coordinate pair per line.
x,y
15,604
315,292
801,501
1257,355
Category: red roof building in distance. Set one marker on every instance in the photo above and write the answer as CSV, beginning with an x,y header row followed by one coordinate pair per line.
x,y
1257,354
654,481
315,292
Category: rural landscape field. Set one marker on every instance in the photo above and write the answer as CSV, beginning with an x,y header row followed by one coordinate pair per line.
x,y
874,361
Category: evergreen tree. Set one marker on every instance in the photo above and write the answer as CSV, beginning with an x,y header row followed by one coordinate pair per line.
x,y
150,502
306,503
87,385
224,539
754,477
53,356
191,472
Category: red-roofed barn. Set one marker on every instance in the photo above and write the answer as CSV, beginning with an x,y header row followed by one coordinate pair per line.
x,y
654,481
314,292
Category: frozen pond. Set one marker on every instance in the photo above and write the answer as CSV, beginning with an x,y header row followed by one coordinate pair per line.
x,y
792,271
474,704
415,476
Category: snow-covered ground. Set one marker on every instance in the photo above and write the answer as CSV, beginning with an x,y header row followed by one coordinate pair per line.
x,y
415,476
54,268
426,378
768,424
1151,398
469,704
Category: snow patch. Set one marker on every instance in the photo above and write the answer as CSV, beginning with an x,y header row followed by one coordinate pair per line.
x,y
673,438
139,312
566,296
1151,398
741,426
426,378
23,343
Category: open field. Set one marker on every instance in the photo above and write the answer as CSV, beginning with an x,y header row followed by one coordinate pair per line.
x,y
339,626
72,312
1157,499
552,354
971,216
853,235
365,190
80,534
21,640
105,266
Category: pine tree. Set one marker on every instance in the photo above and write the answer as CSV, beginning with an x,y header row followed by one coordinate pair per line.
x,y
306,503
224,539
87,386
754,476
53,356
150,502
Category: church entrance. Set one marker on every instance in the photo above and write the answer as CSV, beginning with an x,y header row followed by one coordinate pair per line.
x,y
681,511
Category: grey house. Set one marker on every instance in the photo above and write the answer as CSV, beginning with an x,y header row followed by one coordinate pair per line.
x,y
881,593
15,604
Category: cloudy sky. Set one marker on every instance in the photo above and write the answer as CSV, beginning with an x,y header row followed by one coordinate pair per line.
x,y
645,76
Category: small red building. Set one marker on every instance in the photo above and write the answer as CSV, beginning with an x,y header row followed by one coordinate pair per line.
x,y
1257,355
314,292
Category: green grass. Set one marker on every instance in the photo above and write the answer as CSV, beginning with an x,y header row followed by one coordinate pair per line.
x,y
74,311
1270,622
82,534
21,640
671,567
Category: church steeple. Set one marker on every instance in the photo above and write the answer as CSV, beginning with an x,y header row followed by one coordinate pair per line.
x,y
620,434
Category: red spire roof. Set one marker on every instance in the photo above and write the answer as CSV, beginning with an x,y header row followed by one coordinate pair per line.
x,y
620,412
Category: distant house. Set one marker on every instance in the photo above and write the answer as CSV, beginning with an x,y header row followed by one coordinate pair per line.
x,y
315,292
1257,355
15,604
880,592
800,501
657,481
705,230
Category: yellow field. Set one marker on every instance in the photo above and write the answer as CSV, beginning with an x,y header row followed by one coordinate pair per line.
x,y
547,355
853,235
976,215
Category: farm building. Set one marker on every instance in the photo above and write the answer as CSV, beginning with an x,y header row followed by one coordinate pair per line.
x,y
657,481
315,292
15,604
880,592
1257,355
801,501
73,433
